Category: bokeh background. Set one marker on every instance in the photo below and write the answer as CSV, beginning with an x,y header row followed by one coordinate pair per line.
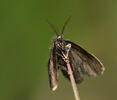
x,y
25,39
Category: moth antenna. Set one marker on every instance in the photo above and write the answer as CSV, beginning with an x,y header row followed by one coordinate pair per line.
x,y
53,28
65,24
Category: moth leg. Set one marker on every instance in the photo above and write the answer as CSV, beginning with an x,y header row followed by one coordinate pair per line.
x,y
68,47
65,56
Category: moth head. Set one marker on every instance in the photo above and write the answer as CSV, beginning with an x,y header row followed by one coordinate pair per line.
x,y
59,42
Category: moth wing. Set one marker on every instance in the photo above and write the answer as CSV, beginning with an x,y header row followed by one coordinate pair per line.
x,y
52,69
87,62
77,73
75,66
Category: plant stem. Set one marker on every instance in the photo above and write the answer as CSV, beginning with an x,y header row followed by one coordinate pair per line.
x,y
76,94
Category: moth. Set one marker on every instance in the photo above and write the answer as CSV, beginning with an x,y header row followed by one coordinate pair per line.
x,y
81,61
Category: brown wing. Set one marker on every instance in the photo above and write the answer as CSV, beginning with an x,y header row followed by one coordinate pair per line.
x,y
87,62
75,62
52,69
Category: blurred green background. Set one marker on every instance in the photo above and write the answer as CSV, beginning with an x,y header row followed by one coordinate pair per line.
x,y
25,39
